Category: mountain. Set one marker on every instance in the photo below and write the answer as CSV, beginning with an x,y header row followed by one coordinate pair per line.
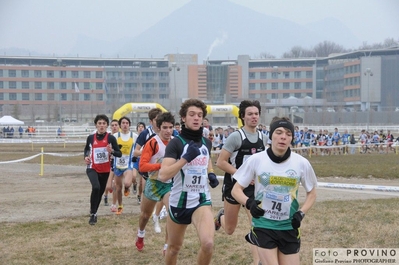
x,y
222,29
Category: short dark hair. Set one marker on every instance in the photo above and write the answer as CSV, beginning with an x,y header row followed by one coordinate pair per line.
x,y
244,105
153,113
124,118
165,117
140,123
192,102
101,117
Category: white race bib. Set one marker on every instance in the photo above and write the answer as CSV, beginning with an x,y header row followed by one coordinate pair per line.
x,y
100,155
276,205
122,162
195,180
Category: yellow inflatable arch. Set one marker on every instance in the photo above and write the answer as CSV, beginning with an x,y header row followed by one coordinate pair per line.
x,y
135,107
225,109
145,107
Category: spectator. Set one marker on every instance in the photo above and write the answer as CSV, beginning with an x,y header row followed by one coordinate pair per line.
x,y
21,131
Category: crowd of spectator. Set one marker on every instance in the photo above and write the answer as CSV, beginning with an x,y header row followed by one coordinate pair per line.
x,y
323,141
9,132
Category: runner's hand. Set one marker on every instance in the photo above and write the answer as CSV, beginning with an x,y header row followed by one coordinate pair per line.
x,y
213,180
252,206
296,219
192,152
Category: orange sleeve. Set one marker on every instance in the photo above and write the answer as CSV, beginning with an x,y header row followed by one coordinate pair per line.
x,y
147,153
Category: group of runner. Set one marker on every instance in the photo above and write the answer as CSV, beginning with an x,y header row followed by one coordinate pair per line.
x,y
260,175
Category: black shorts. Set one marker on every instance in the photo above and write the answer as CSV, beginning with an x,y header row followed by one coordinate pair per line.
x,y
287,241
228,184
182,216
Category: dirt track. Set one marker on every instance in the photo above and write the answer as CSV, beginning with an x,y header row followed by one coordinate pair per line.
x,y
64,191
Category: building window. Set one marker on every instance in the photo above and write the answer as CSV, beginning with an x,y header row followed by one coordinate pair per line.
x,y
309,95
309,74
297,74
251,86
12,85
99,97
148,75
1,96
286,75
1,72
63,85
25,73
63,96
1,84
38,85
25,85
75,74
38,73
12,73
274,86
50,85
63,74
286,85
275,75
298,95
38,96
286,95
99,86
263,86
87,74
99,74
297,85
50,96
12,96
86,85
86,97
50,74
263,75
251,75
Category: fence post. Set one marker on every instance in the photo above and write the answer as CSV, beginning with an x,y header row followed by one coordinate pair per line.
x,y
41,163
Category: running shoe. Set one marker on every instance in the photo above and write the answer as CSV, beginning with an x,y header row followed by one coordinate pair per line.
x,y
106,201
120,209
140,243
134,188
165,247
93,219
113,208
218,224
157,227
126,192
138,199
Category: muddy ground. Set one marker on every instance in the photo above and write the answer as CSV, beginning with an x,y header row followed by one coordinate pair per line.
x,y
63,191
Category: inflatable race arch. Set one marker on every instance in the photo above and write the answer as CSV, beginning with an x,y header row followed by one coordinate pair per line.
x,y
135,107
232,109
145,107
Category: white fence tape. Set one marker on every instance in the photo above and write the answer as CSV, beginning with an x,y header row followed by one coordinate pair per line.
x,y
31,157
348,186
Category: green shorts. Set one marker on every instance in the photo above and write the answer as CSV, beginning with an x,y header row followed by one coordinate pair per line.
x,y
155,190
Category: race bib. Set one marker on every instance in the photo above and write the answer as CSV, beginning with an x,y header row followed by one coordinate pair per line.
x,y
122,162
276,205
195,180
100,155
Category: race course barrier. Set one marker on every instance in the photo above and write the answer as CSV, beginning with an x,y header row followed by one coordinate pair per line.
x,y
42,153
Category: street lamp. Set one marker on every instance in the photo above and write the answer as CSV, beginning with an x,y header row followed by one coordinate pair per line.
x,y
174,68
368,73
275,73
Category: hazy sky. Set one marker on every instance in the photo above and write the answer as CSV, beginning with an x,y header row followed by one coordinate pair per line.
x,y
52,26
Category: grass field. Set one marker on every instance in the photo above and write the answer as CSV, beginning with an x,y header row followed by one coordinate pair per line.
x,y
354,223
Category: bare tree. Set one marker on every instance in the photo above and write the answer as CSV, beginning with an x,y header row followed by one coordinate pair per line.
x,y
325,48
299,52
266,55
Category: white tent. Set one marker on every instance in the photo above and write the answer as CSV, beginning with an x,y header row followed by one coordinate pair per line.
x,y
8,120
